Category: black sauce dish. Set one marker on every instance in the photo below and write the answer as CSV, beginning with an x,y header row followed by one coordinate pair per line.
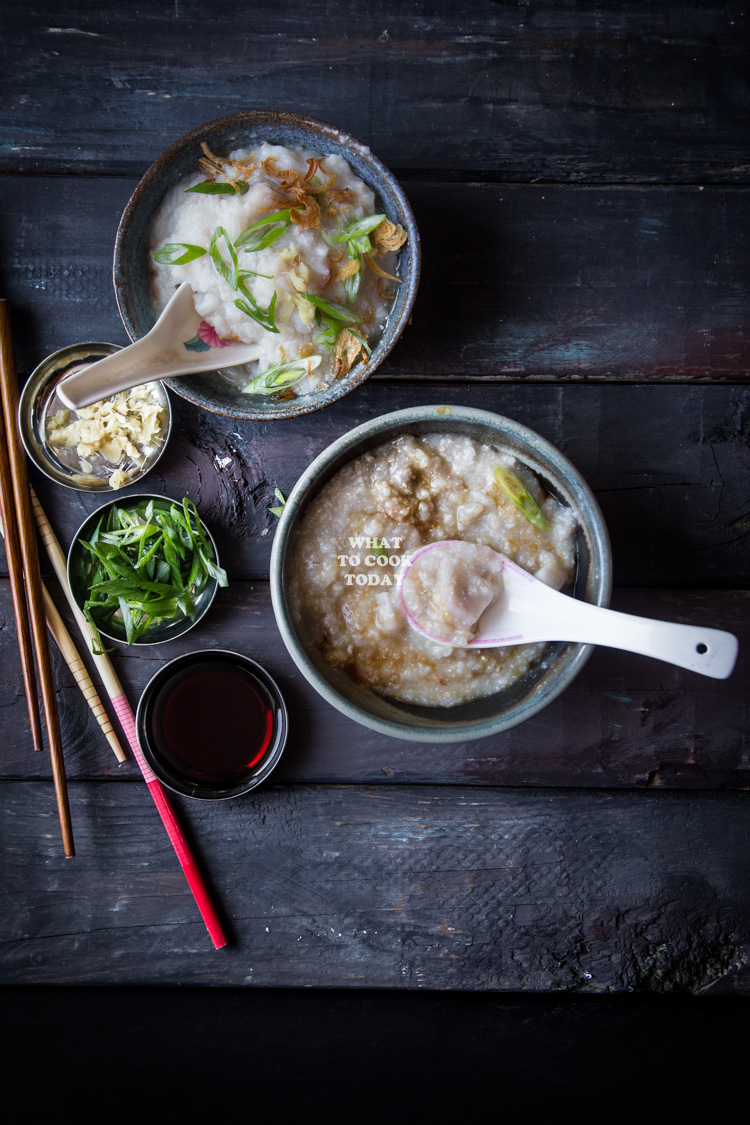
x,y
212,724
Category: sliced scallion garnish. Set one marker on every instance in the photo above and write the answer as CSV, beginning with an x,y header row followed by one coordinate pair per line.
x,y
211,187
266,318
282,502
229,270
265,232
359,228
178,253
281,376
521,497
334,309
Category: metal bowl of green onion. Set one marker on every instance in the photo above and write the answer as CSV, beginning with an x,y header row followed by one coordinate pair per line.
x,y
144,570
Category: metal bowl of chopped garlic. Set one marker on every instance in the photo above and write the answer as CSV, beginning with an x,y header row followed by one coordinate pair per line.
x,y
100,448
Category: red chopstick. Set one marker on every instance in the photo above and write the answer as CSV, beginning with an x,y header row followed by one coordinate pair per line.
x,y
169,820
124,711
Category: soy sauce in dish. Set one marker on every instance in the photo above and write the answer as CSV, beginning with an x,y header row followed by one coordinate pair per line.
x,y
213,722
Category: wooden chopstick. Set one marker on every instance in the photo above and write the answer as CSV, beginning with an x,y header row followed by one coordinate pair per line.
x,y
18,591
64,642
127,720
29,560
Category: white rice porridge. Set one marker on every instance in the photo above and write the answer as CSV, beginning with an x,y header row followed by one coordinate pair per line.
x,y
312,200
386,504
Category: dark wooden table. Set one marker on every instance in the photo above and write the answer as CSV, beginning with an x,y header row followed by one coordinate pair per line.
x,y
579,174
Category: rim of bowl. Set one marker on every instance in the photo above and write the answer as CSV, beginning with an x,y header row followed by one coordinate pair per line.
x,y
40,380
407,291
195,791
135,499
378,431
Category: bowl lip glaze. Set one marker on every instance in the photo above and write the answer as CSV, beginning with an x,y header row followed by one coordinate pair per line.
x,y
45,376
135,498
379,431
195,791
380,180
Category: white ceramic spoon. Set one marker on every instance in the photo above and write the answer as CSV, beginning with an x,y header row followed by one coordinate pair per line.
x,y
162,353
527,610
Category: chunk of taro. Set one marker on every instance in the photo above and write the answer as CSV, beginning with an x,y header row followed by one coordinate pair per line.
x,y
461,595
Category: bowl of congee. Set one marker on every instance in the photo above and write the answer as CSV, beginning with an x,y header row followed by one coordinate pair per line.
x,y
373,498
295,241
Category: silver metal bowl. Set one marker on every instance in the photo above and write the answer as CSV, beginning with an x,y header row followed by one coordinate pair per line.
x,y
166,631
39,401
560,663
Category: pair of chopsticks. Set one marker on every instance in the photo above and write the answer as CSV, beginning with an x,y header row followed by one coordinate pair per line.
x,y
19,509
119,701
26,581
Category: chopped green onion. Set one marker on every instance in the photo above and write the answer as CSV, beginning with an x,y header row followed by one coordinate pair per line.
x,y
265,232
360,228
521,497
228,270
210,187
282,502
266,318
280,376
351,284
146,565
327,338
253,273
178,254
334,309
361,339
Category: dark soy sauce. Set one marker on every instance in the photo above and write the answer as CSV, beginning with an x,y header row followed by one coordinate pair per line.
x,y
213,722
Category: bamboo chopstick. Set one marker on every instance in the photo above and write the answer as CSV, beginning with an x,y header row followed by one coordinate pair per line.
x,y
18,590
127,721
64,642
29,560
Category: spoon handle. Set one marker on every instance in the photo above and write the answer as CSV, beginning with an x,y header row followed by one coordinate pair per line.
x,y
557,617
120,371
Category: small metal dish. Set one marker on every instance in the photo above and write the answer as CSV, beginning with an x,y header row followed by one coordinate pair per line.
x,y
158,634
39,402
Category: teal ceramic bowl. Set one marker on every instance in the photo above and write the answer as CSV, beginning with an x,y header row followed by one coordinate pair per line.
x,y
560,663
132,272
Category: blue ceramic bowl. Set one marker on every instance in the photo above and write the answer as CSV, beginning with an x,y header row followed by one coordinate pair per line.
x,y
132,269
560,663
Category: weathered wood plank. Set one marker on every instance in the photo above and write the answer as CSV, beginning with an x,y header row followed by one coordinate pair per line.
x,y
669,466
400,888
518,283
607,91
627,721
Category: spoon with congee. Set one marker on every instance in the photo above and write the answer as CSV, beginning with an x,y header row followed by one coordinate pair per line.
x,y
467,595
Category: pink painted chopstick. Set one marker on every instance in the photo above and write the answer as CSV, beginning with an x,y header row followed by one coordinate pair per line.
x,y
124,712
166,812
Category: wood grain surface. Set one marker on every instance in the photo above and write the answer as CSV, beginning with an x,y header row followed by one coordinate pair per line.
x,y
605,91
579,174
668,465
519,282
404,887
626,722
